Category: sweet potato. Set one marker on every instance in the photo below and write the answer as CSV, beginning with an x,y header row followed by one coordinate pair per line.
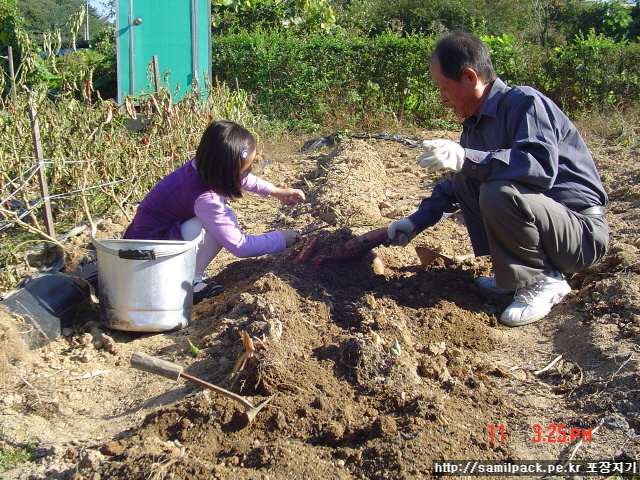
x,y
307,249
378,266
356,247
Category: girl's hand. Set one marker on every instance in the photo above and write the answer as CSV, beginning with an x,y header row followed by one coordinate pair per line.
x,y
288,195
291,237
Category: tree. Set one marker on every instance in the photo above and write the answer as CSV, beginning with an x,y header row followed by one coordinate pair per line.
x,y
250,15
10,20
40,16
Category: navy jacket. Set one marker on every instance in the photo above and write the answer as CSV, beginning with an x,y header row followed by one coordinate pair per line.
x,y
522,136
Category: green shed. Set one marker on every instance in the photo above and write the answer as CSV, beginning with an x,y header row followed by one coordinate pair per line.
x,y
177,32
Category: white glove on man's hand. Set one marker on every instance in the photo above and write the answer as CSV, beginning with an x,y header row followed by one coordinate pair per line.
x,y
401,232
442,155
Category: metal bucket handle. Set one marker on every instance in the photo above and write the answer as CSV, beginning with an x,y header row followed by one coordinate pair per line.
x,y
140,254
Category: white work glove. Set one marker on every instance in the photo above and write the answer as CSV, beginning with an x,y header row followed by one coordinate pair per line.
x,y
441,155
401,232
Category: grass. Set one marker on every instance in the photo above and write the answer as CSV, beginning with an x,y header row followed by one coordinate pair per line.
x,y
611,126
11,456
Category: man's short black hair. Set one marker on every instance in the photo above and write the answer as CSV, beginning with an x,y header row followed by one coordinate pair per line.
x,y
459,50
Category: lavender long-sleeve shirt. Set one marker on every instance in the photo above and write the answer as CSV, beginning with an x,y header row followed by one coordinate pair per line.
x,y
182,195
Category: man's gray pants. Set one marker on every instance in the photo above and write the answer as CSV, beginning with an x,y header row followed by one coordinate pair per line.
x,y
526,233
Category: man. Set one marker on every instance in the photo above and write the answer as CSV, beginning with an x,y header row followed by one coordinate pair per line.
x,y
526,184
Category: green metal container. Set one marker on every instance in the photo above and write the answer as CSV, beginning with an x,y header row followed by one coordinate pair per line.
x,y
176,32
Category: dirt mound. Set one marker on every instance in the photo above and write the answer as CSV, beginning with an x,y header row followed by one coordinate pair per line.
x,y
373,375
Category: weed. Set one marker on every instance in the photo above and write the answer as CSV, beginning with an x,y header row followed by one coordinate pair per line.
x,y
11,456
96,156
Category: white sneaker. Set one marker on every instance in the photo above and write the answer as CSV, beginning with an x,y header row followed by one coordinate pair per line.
x,y
533,302
488,284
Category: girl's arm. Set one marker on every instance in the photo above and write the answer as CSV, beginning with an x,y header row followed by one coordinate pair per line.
x,y
257,185
220,221
254,184
288,195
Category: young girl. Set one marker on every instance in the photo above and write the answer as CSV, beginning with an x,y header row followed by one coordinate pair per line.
x,y
194,197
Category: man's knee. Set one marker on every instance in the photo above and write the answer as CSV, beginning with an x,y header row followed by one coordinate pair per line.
x,y
496,196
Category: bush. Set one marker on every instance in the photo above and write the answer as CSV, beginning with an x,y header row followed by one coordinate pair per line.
x,y
595,70
321,78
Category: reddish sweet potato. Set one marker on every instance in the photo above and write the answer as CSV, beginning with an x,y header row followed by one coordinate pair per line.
x,y
307,249
378,266
356,247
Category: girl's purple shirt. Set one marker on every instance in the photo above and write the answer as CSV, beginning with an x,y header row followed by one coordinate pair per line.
x,y
182,195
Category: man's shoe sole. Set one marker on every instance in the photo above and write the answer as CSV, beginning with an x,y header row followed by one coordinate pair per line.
x,y
523,322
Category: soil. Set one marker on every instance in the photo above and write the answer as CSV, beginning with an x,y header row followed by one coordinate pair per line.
x,y
370,374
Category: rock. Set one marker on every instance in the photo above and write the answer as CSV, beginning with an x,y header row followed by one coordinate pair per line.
x,y
434,368
71,454
91,459
333,433
280,420
109,344
114,448
437,348
273,330
384,427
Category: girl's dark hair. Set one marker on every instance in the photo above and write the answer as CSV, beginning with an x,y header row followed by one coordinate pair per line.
x,y
459,50
224,146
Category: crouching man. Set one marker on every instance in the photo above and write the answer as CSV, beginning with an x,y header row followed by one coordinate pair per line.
x,y
526,184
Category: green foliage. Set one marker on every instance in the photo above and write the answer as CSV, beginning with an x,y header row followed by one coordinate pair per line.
x,y
105,64
612,18
433,17
504,55
41,16
35,64
11,456
516,62
326,78
352,80
498,17
374,17
251,15
595,70
10,21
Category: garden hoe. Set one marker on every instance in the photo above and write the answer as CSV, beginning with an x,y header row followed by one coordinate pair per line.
x,y
428,256
150,364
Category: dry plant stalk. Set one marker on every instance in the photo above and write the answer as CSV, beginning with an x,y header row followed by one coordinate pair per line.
x,y
249,354
28,227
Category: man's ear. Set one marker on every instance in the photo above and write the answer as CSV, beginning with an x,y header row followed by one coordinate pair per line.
x,y
469,75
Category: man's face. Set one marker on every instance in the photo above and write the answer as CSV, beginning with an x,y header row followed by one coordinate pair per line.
x,y
461,95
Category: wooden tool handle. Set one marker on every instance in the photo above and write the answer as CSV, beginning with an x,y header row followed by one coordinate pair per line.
x,y
238,398
150,364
